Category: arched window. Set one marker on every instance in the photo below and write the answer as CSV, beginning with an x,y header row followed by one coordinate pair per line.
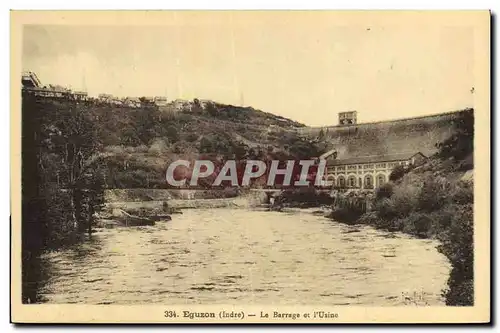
x,y
368,181
341,181
351,181
380,180
331,179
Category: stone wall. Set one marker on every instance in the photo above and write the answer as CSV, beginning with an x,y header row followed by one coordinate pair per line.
x,y
388,137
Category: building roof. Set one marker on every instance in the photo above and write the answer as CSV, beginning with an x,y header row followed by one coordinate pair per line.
x,y
50,89
327,154
373,159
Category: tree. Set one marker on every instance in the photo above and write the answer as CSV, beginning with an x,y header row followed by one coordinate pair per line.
x,y
77,141
397,173
172,133
321,135
461,143
61,148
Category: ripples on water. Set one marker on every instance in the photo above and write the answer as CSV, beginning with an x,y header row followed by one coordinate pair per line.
x,y
248,257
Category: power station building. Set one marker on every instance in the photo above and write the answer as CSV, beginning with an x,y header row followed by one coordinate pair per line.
x,y
366,172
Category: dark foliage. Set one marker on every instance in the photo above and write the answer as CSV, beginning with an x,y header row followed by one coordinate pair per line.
x,y
397,173
384,191
304,197
346,215
461,143
62,180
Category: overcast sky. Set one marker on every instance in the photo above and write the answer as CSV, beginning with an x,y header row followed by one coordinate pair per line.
x,y
306,69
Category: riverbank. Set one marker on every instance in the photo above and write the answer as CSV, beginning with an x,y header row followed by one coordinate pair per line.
x,y
434,201
177,204
247,256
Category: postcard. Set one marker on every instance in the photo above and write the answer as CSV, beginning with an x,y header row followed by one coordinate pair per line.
x,y
250,167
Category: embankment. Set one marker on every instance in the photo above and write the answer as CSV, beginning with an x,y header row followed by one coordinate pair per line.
x,y
179,204
158,199
432,201
389,137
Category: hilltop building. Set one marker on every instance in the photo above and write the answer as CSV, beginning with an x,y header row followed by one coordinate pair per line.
x,y
348,118
80,95
181,104
132,102
31,84
105,97
30,80
160,101
148,99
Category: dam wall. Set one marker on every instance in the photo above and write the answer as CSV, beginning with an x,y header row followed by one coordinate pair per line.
x,y
154,199
419,134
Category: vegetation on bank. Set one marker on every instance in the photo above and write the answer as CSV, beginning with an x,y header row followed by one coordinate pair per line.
x,y
62,181
434,200
301,197
140,143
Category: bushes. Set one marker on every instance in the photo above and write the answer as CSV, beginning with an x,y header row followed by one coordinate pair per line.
x,y
61,180
305,197
385,209
158,147
459,293
384,191
434,193
417,224
462,193
191,137
397,173
346,215
427,205
60,224
400,204
457,244
461,143
441,220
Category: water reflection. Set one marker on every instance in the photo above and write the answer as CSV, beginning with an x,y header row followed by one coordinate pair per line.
x,y
242,257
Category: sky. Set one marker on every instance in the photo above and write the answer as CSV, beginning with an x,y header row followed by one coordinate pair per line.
x,y
307,68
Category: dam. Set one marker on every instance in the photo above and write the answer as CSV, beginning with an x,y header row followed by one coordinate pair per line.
x,y
418,134
363,156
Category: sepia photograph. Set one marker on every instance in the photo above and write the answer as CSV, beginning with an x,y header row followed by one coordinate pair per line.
x,y
250,166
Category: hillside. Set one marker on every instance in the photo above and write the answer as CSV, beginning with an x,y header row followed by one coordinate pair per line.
x,y
388,137
139,143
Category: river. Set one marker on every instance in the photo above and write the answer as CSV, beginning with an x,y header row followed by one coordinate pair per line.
x,y
236,256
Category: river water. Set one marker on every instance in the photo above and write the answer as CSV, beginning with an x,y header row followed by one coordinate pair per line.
x,y
225,256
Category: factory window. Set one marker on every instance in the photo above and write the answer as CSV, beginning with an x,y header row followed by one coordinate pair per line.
x,y
352,181
368,181
380,180
341,181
